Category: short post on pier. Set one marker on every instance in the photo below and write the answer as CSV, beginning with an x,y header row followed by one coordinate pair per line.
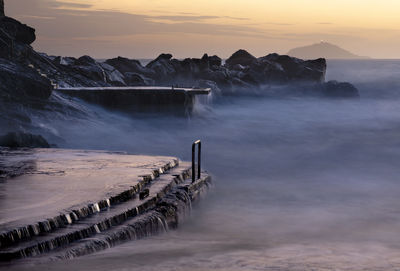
x,y
196,143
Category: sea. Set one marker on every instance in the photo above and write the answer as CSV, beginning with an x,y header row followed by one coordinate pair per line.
x,y
300,183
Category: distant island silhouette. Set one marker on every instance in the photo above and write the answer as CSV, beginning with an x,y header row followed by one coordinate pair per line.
x,y
323,50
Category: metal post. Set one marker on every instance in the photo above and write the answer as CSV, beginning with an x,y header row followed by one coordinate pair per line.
x,y
198,142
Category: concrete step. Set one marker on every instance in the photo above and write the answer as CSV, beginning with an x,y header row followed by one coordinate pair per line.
x,y
168,213
13,235
103,220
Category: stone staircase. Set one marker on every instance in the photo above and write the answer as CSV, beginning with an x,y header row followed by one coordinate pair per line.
x,y
155,204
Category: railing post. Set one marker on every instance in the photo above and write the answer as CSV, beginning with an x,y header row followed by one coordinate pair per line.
x,y
198,142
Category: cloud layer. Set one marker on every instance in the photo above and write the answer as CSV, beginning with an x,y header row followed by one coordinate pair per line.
x,y
74,28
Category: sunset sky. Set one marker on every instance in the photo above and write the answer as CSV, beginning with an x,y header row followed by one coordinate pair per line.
x,y
146,28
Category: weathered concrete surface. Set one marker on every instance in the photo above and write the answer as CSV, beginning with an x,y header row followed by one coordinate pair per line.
x,y
138,98
55,180
139,89
104,189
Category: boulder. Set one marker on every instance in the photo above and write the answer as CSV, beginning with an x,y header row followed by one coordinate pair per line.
x,y
17,31
164,68
134,79
23,140
241,57
339,89
192,67
215,61
65,61
113,76
90,70
221,76
160,57
298,69
124,65
85,61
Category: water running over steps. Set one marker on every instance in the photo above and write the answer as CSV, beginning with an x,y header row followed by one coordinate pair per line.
x,y
170,194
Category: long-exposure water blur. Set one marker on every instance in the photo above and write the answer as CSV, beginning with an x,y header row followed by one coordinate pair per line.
x,y
301,183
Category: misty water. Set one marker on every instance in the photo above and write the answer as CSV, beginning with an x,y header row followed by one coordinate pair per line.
x,y
300,183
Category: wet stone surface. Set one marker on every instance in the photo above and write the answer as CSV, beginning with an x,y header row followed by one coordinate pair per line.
x,y
42,183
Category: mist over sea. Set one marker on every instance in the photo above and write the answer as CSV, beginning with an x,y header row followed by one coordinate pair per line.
x,y
300,183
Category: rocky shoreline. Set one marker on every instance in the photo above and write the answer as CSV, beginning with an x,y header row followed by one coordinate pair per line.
x,y
26,73
28,78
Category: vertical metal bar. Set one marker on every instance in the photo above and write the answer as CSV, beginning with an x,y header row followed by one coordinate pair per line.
x,y
193,163
198,142
199,161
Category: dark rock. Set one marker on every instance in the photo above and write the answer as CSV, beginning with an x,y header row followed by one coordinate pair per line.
x,y
239,67
66,61
17,31
161,57
113,76
241,57
89,68
2,8
192,67
72,72
297,69
23,140
15,37
164,68
85,61
214,61
134,79
339,89
20,82
124,65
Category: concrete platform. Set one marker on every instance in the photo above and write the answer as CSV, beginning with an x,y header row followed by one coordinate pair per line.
x,y
62,199
140,90
138,98
56,181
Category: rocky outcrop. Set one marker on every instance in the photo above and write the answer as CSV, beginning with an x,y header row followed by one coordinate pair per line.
x,y
242,58
241,72
339,89
14,37
22,68
21,82
19,79
1,8
17,31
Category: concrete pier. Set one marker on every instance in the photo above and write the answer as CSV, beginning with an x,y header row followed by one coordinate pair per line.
x,y
138,98
65,196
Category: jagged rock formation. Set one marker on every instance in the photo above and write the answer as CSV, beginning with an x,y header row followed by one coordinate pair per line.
x,y
25,73
18,79
21,82
241,72
242,58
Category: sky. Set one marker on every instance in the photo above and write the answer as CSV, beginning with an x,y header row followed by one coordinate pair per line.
x,y
190,28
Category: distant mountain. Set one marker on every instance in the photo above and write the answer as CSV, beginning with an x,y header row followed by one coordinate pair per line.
x,y
324,50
